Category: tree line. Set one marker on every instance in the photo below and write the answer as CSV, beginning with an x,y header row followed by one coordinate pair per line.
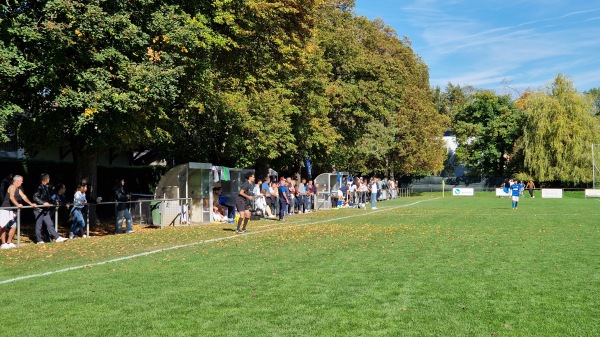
x,y
266,83
545,135
235,83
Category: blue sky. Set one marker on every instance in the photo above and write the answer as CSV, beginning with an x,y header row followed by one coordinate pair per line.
x,y
499,45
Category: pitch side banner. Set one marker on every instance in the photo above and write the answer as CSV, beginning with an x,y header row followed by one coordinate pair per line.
x,y
552,193
589,193
500,193
463,192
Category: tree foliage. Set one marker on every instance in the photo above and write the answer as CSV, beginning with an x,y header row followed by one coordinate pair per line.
x,y
486,130
453,99
228,82
380,98
97,75
559,130
594,96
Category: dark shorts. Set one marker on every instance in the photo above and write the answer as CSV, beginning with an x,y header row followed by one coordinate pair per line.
x,y
241,204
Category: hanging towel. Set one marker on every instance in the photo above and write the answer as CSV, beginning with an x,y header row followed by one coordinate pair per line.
x,y
215,171
225,173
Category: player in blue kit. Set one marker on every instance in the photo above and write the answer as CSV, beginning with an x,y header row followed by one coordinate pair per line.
x,y
514,192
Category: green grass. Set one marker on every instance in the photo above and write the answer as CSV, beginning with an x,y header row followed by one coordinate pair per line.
x,y
422,266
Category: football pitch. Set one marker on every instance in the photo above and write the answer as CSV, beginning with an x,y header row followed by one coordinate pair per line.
x,y
419,266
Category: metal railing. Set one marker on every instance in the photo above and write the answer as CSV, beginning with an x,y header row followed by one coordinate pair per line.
x,y
55,208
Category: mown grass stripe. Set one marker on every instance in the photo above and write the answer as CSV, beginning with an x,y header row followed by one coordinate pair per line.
x,y
129,257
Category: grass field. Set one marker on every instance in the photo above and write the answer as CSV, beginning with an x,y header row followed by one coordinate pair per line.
x,y
420,266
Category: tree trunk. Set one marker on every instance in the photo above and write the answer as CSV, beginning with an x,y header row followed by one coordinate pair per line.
x,y
501,165
261,168
86,167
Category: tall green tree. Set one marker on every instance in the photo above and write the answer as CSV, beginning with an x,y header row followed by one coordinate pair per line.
x,y
486,130
380,97
97,75
594,95
559,131
452,99
262,100
228,82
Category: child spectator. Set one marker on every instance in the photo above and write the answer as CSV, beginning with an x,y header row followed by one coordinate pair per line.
x,y
79,201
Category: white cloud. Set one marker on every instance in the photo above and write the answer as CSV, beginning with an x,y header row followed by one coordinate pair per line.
x,y
483,43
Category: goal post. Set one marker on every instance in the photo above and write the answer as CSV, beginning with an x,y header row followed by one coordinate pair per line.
x,y
595,166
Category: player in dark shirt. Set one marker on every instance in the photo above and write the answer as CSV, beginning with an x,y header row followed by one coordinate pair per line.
x,y
243,201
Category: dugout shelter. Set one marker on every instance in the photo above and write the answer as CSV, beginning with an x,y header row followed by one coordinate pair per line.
x,y
328,185
184,194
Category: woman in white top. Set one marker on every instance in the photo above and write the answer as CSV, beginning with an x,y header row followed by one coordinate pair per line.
x,y
274,199
374,191
363,189
261,203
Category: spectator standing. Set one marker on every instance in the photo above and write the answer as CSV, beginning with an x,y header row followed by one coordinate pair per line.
x,y
291,194
58,195
283,198
43,198
530,186
302,200
344,190
256,189
274,199
6,182
14,198
316,195
374,191
59,198
243,201
352,192
265,186
122,208
86,211
79,201
363,190
310,191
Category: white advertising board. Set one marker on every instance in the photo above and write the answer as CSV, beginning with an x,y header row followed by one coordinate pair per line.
x,y
463,192
552,193
589,193
500,193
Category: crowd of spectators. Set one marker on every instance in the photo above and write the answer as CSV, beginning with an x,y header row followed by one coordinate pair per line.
x,y
276,198
47,201
269,197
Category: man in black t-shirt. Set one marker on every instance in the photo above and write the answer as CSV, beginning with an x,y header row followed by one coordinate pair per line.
x,y
243,201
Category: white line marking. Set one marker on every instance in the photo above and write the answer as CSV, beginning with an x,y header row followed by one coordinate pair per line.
x,y
124,258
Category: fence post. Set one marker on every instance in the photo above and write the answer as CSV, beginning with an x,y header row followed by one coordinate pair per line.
x,y
141,216
56,218
87,223
18,227
162,214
